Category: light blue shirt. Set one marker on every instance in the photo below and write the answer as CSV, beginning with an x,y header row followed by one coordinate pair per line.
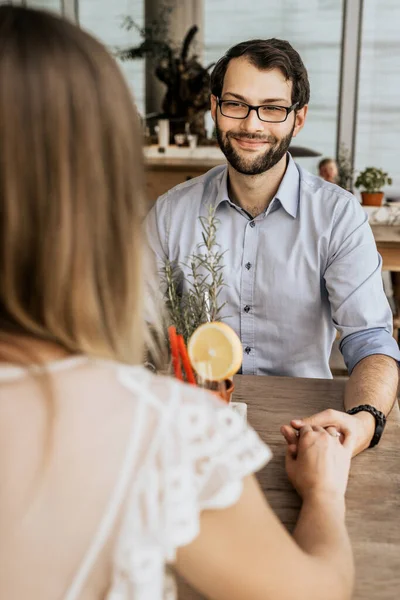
x,y
304,268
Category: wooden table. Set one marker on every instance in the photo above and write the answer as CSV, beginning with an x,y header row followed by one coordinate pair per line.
x,y
387,238
373,496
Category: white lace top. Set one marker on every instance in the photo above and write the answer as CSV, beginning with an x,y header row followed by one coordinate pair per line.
x,y
187,452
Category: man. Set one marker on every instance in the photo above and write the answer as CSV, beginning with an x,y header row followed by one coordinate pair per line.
x,y
301,260
328,170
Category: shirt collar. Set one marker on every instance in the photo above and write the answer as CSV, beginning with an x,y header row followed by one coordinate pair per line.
x,y
222,194
288,192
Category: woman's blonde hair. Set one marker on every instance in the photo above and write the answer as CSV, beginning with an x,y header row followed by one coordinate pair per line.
x,y
71,203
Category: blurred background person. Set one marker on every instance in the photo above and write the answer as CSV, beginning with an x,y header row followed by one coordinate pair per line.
x,y
328,170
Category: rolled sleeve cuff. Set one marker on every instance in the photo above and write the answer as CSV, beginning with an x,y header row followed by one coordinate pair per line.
x,y
359,345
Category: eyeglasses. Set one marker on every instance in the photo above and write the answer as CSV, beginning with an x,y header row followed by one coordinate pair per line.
x,y
268,113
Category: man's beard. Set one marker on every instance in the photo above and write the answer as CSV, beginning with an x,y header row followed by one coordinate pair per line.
x,y
260,164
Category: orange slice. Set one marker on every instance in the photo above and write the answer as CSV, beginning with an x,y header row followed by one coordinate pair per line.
x,y
215,351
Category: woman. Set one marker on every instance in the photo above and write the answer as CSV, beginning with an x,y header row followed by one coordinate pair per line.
x,y
107,472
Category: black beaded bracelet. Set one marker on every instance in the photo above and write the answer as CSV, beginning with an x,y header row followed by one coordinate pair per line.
x,y
380,420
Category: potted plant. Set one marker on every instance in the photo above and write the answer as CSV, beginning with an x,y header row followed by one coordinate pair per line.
x,y
204,282
199,303
187,97
372,180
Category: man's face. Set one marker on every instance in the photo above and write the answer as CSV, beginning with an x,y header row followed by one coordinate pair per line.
x,y
250,145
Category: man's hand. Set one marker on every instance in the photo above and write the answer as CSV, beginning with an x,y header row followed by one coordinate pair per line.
x,y
356,430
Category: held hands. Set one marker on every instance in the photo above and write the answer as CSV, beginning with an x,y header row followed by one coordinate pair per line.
x,y
319,463
356,430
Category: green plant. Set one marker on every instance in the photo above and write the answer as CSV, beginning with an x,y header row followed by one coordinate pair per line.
x,y
204,281
373,180
187,97
345,168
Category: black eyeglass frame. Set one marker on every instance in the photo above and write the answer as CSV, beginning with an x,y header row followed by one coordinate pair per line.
x,y
250,107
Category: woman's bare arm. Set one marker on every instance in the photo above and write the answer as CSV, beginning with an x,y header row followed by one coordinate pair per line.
x,y
244,552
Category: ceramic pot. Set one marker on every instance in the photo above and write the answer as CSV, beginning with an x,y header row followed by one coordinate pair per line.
x,y
372,198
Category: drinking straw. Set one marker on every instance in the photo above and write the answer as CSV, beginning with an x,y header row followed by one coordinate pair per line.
x,y
187,367
173,342
222,390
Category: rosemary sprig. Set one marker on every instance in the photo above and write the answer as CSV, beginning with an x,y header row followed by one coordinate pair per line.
x,y
204,281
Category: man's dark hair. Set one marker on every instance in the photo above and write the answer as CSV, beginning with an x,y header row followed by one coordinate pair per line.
x,y
267,55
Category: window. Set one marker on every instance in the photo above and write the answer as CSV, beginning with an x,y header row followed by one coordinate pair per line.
x,y
103,19
378,123
314,29
53,5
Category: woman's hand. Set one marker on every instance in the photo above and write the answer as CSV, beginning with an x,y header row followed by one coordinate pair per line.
x,y
319,463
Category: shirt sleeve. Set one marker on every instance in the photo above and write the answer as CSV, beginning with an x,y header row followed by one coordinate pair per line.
x,y
353,279
357,346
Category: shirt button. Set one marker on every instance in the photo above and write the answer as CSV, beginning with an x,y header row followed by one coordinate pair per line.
x,y
247,349
246,309
248,266
252,224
